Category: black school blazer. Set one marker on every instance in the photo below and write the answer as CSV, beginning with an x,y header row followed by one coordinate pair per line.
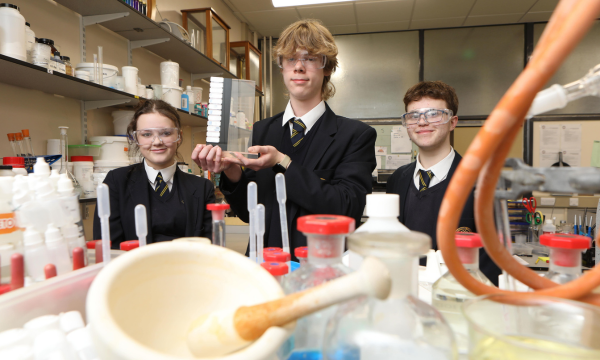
x,y
334,179
129,186
400,182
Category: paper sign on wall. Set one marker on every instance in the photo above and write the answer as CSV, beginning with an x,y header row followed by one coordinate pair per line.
x,y
400,141
378,159
563,138
380,150
395,161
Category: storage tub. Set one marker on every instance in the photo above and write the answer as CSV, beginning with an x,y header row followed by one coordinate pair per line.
x,y
114,148
122,118
110,73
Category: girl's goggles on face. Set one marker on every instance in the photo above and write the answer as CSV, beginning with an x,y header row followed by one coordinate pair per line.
x,y
167,136
431,116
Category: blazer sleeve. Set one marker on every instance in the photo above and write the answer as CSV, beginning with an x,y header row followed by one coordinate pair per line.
x,y
209,198
346,193
117,234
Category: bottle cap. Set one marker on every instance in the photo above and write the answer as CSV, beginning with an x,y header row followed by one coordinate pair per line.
x,y
301,252
272,249
275,268
41,167
45,41
25,132
32,237
53,234
82,158
64,184
70,321
19,136
217,206
57,54
277,256
11,137
91,245
383,205
129,245
14,161
326,224
70,231
65,58
566,241
80,339
468,240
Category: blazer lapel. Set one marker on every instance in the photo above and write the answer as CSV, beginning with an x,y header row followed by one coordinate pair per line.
x,y
404,183
274,133
137,188
322,140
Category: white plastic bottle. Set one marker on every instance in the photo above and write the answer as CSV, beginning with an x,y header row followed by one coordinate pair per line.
x,y
383,212
12,34
30,42
54,177
58,250
10,235
74,239
549,227
41,169
36,254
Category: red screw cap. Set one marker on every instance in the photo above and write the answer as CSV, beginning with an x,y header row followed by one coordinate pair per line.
x,y
326,224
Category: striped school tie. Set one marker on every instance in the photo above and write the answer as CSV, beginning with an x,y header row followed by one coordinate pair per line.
x,y
298,129
161,185
424,179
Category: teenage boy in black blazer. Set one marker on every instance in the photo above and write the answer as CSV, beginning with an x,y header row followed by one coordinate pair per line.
x,y
431,108
327,159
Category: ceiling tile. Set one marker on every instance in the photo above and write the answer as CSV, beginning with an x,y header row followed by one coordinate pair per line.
x,y
436,23
342,14
386,26
492,19
544,5
343,29
536,16
385,11
252,5
270,32
435,9
272,19
495,7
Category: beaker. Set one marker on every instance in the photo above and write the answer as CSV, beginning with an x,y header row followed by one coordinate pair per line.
x,y
537,328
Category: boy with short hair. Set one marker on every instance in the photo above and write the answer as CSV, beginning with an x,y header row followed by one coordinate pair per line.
x,y
431,108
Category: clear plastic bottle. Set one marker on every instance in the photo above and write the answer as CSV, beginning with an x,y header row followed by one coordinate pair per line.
x,y
549,227
400,327
448,295
218,223
36,254
302,255
565,256
325,238
277,269
58,250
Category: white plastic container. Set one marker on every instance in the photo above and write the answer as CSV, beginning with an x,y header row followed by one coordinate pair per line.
x,y
12,32
110,72
114,148
121,119
197,94
83,167
169,74
30,42
141,90
53,147
149,93
36,254
101,168
42,52
83,75
157,91
134,292
119,83
172,95
58,250
130,79
549,227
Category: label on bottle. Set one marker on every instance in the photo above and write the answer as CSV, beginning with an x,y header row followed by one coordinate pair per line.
x,y
184,103
62,68
7,223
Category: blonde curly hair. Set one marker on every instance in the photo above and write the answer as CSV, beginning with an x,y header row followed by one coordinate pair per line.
x,y
312,36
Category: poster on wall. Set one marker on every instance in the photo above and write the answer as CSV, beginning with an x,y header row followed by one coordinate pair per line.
x,y
393,162
560,138
400,141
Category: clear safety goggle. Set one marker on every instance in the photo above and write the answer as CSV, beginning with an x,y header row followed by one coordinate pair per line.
x,y
308,61
431,116
146,137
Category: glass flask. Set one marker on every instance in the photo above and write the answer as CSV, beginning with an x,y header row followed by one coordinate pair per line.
x,y
325,239
400,327
448,294
534,328
565,256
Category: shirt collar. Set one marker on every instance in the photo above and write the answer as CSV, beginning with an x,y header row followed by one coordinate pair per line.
x,y
441,169
309,119
167,173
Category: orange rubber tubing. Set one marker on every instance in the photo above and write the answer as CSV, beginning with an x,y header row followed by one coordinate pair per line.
x,y
486,155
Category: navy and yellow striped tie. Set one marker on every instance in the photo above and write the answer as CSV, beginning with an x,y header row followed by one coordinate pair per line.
x,y
161,186
298,129
424,179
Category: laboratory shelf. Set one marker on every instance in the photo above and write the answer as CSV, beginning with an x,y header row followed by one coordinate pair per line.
x,y
23,74
137,27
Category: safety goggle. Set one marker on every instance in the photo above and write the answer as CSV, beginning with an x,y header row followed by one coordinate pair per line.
x,y
308,61
430,115
146,137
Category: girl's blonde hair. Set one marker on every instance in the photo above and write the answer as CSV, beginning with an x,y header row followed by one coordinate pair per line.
x,y
312,36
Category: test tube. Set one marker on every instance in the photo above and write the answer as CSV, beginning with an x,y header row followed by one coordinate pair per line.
x,y
260,233
96,68
141,224
100,66
252,203
281,198
218,224
13,144
104,214
27,141
19,141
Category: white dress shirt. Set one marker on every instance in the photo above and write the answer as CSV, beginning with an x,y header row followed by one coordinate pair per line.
x,y
167,174
309,119
439,170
